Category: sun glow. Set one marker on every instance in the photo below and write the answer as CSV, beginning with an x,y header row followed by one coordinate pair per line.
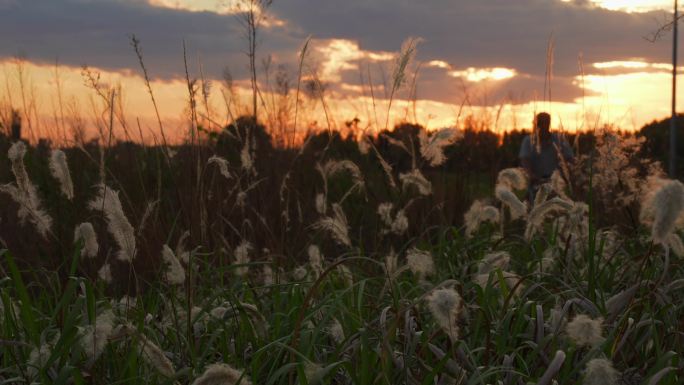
x,y
338,55
480,74
632,6
59,100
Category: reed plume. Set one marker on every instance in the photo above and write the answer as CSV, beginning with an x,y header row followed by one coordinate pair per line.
x,y
105,273
118,225
155,357
417,179
94,338
600,371
336,225
221,374
420,262
508,181
315,260
174,273
86,233
662,208
242,258
477,214
540,211
60,171
514,178
222,164
24,192
517,208
445,305
493,261
585,331
432,147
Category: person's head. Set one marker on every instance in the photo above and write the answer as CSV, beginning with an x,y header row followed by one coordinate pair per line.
x,y
542,122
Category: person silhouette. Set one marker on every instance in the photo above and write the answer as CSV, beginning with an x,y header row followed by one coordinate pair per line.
x,y
541,152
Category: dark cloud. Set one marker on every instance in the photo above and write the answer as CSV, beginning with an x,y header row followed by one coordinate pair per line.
x,y
480,33
464,33
97,33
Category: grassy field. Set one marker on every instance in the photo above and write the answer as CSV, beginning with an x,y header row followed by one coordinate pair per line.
x,y
340,262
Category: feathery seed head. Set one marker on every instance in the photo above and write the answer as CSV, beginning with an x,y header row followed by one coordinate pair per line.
x,y
86,232
118,225
493,261
585,331
385,212
336,331
155,357
513,178
315,260
478,214
445,305
321,204
174,273
60,171
95,337
417,179
221,374
336,225
401,223
222,164
663,205
420,262
432,148
105,273
600,372
517,208
242,257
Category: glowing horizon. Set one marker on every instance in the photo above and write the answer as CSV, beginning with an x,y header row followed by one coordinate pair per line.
x,y
617,99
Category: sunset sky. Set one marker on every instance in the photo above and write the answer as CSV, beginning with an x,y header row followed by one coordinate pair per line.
x,y
488,56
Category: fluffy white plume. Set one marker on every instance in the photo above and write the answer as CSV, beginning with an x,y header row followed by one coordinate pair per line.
x,y
94,338
221,374
60,171
155,357
242,258
24,193
420,262
540,211
315,260
336,225
445,305
118,225
600,372
517,208
662,207
86,233
478,214
432,147
585,331
514,178
416,178
321,204
222,164
105,273
174,273
493,261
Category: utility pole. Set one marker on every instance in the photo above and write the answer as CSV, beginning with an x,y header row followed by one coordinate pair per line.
x,y
673,120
